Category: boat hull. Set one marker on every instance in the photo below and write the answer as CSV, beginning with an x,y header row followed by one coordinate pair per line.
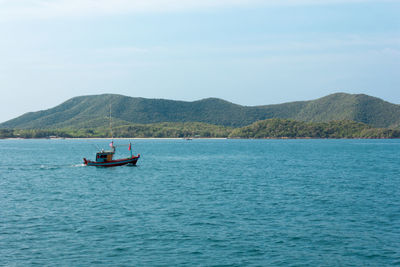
x,y
113,163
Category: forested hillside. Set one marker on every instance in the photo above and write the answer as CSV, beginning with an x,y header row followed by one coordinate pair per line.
x,y
279,128
271,128
93,112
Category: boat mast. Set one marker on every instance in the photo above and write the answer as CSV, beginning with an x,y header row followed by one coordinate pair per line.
x,y
112,136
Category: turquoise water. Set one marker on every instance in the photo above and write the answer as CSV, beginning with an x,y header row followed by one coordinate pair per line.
x,y
202,202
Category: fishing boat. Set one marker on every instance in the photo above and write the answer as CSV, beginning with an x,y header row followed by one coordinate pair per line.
x,y
104,158
112,163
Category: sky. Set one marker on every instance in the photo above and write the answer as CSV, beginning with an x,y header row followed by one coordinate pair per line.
x,y
249,52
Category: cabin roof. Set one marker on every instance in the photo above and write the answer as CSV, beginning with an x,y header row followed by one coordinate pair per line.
x,y
105,152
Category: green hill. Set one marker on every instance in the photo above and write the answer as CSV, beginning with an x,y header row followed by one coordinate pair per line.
x,y
360,108
93,111
281,128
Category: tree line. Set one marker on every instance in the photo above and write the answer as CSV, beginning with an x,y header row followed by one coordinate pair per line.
x,y
271,128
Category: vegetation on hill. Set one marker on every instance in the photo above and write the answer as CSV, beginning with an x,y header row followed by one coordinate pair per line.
x,y
279,128
360,108
93,111
271,128
158,130
172,130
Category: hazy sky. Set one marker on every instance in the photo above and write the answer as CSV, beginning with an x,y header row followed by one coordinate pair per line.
x,y
249,52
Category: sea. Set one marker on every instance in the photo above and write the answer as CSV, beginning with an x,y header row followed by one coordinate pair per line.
x,y
201,202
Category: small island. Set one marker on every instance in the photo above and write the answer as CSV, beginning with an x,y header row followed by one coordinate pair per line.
x,y
338,115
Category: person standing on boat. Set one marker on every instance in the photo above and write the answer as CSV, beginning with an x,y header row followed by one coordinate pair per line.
x,y
112,146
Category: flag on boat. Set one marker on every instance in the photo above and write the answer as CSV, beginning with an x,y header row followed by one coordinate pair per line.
x,y
130,146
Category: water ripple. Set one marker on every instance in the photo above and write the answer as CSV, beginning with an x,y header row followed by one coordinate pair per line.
x,y
281,203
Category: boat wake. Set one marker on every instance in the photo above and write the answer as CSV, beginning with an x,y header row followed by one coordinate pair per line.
x,y
78,165
50,167
56,167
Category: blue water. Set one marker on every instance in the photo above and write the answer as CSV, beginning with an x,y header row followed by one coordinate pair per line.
x,y
201,202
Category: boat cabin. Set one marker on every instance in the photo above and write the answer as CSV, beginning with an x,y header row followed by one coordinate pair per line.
x,y
104,156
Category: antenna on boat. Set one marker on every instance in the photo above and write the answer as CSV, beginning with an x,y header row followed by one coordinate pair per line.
x,y
97,147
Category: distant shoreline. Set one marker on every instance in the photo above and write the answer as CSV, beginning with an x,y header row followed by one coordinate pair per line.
x,y
201,138
120,138
265,129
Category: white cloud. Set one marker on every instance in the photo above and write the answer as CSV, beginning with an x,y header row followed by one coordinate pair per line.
x,y
17,9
